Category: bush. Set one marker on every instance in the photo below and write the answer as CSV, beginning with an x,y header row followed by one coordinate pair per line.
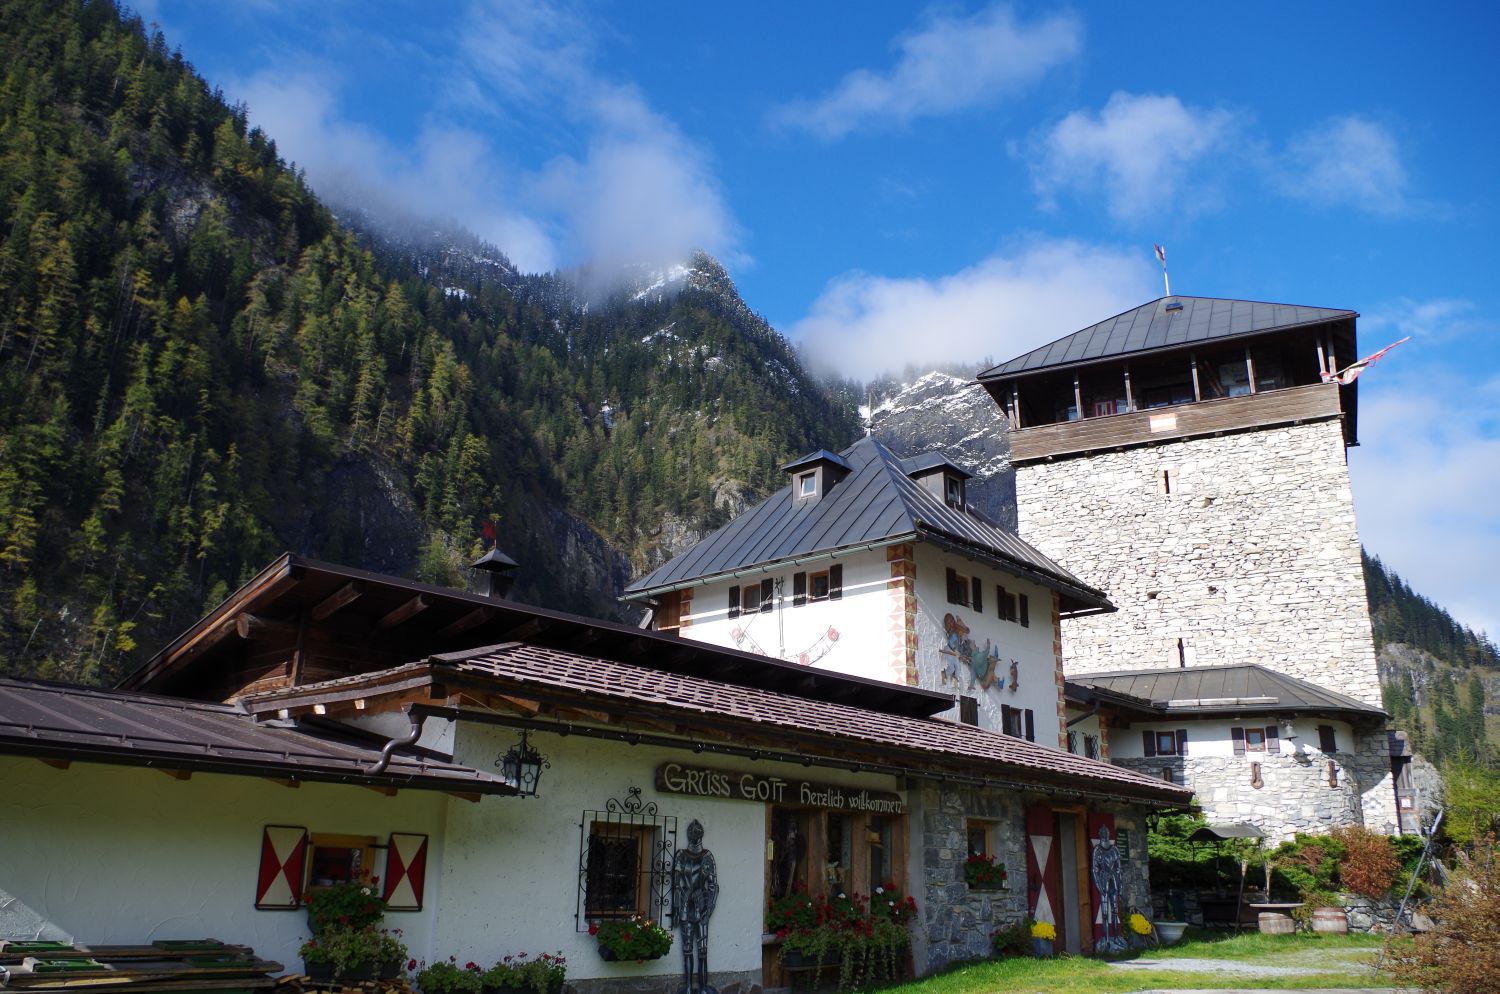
x,y
448,978
1369,866
1013,940
1462,954
544,974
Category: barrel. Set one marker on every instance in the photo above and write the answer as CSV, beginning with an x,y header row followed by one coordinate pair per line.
x,y
1273,923
1334,921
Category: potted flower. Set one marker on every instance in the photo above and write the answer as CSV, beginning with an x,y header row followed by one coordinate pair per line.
x,y
982,872
1012,940
866,945
1043,934
446,977
791,913
637,937
352,954
1140,928
520,974
349,904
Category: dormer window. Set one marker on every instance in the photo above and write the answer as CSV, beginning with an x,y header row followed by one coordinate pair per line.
x,y
807,485
954,490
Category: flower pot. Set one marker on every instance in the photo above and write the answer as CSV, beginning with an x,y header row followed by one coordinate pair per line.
x,y
1170,932
359,972
794,959
389,971
317,971
1041,948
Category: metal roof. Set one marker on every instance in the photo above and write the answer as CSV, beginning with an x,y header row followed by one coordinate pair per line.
x,y
1244,688
932,460
1158,325
812,458
878,502
86,724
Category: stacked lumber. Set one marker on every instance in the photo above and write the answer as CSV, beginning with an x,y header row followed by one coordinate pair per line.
x,y
160,968
297,984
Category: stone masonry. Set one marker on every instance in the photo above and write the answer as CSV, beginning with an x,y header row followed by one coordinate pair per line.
x,y
1233,549
1246,550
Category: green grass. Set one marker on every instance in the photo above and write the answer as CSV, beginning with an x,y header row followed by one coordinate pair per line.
x,y
1347,961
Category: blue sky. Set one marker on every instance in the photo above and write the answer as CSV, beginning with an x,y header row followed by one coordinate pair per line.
x,y
894,183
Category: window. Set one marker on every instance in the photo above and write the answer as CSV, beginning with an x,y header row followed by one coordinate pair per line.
x,y
339,859
1090,746
753,598
978,834
1020,722
1006,604
954,489
1167,775
812,586
1255,739
734,602
1326,740
807,485
750,599
976,588
1073,743
1025,612
619,870
958,588
1164,742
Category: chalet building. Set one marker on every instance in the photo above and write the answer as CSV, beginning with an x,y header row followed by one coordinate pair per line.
x,y
513,774
1191,453
874,566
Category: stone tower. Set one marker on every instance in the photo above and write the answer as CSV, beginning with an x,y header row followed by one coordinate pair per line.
x,y
1189,458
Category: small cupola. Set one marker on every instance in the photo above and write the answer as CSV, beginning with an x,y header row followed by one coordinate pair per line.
x,y
815,474
493,576
945,479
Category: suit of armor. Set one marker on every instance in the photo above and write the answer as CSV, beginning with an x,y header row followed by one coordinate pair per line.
x,y
695,891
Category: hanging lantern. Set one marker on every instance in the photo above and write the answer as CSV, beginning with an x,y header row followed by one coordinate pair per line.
x,y
522,765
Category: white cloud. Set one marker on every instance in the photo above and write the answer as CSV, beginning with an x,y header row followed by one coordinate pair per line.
x,y
627,185
1347,161
1425,479
1142,149
951,64
1005,305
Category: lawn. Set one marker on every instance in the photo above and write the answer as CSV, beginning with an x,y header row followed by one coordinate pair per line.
x,y
1332,961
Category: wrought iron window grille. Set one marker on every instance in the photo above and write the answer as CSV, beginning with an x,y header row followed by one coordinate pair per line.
x,y
625,861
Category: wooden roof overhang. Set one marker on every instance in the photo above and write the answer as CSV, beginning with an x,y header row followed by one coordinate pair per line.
x,y
517,685
301,621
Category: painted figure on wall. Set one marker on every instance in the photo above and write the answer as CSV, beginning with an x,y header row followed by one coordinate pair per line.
x,y
1108,876
695,891
959,651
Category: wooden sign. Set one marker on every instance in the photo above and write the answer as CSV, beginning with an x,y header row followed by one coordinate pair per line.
x,y
703,781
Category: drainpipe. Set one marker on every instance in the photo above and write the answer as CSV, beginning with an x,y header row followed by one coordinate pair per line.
x,y
400,741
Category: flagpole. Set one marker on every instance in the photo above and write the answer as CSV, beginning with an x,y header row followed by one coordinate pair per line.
x,y
1161,257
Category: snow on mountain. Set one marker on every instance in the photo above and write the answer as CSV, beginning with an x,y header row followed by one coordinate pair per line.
x,y
942,411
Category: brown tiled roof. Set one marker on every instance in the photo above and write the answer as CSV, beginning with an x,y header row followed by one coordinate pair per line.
x,y
85,724
918,746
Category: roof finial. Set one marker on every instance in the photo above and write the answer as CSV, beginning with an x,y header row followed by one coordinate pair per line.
x,y
1161,257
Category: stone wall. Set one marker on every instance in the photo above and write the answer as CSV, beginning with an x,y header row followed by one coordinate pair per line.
x,y
956,921
1246,550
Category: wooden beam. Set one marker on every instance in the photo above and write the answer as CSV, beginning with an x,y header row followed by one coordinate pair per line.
x,y
206,639
464,796
338,600
408,610
56,764
515,703
253,626
473,619
524,630
293,784
178,774
387,791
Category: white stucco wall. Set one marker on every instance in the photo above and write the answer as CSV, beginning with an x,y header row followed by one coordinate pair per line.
x,y
1029,647
1211,737
116,854
861,619
511,875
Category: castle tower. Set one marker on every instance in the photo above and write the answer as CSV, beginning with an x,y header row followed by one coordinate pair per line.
x,y
1188,457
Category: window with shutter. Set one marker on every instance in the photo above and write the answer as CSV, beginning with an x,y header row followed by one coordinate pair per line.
x,y
1273,742
799,589
1166,743
1326,739
1148,743
1030,726
968,710
767,593
750,599
734,602
958,589
1182,741
977,589
1025,611
835,582
1255,739
1237,738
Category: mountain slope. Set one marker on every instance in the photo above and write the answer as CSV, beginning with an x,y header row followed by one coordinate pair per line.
x,y
200,367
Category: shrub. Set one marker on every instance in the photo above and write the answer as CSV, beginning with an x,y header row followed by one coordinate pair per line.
x,y
1462,954
344,905
637,937
1013,940
792,912
983,871
351,948
1311,901
1369,866
448,978
545,973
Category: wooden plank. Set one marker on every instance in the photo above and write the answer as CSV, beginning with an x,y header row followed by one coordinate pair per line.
x,y
462,796
254,626
408,610
473,619
177,774
56,764
16,949
338,600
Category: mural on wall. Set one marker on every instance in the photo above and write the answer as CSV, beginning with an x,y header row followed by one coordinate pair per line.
x,y
806,657
1106,874
965,662
695,892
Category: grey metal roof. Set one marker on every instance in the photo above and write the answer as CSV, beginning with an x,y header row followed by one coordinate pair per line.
x,y
1157,326
1244,688
821,455
86,724
876,502
932,460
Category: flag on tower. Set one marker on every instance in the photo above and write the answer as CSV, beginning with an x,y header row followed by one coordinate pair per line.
x,y
1161,257
1351,372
